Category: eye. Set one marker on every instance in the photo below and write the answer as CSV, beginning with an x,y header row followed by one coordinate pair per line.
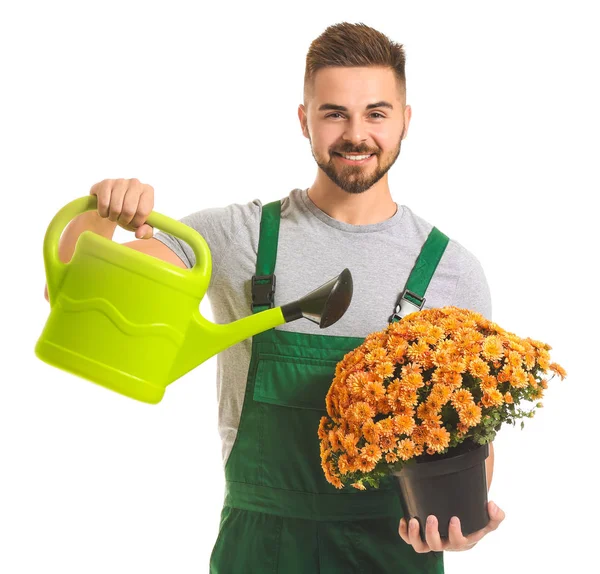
x,y
373,114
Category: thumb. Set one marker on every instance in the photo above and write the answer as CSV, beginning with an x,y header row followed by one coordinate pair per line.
x,y
144,231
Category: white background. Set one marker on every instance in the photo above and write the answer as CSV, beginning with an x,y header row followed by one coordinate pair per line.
x,y
201,103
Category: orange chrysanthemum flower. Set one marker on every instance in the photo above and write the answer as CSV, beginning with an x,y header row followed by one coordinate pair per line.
x,y
411,368
418,351
357,383
374,391
448,378
419,434
387,443
488,383
385,426
384,369
349,443
425,411
558,370
403,424
518,378
342,462
515,359
544,359
537,394
408,397
461,398
323,423
441,392
371,452
406,449
370,432
365,464
435,402
335,439
391,457
492,398
492,349
376,355
359,412
438,439
412,381
479,368
470,415
405,409
529,360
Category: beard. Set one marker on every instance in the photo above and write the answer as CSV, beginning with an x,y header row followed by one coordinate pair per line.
x,y
357,178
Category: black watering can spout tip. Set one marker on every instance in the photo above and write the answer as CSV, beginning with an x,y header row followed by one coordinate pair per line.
x,y
325,305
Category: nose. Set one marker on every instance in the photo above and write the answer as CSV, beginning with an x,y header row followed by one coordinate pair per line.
x,y
355,131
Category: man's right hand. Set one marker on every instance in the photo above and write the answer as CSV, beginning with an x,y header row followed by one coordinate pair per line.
x,y
128,202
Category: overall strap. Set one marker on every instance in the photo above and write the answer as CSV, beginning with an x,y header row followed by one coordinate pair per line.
x,y
412,298
263,283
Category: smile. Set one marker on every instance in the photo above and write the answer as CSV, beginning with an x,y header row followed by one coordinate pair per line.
x,y
361,158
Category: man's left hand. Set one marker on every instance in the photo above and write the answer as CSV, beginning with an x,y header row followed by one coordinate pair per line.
x,y
456,541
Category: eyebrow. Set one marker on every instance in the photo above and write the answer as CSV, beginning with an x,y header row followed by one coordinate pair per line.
x,y
335,107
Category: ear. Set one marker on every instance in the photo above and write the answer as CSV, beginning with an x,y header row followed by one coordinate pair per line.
x,y
303,119
407,116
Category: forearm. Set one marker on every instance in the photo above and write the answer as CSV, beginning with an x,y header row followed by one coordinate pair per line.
x,y
88,221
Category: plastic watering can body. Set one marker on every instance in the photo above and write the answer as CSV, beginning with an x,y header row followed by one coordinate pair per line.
x,y
131,322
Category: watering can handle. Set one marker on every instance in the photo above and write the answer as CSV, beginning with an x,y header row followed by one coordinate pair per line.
x,y
55,268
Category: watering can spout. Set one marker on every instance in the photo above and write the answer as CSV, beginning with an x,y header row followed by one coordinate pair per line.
x,y
204,339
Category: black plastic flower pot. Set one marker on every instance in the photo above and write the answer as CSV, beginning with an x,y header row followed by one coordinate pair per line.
x,y
452,484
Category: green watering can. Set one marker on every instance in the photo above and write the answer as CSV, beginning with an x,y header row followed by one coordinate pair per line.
x,y
131,322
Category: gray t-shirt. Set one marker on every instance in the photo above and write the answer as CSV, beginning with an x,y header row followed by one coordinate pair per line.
x,y
314,248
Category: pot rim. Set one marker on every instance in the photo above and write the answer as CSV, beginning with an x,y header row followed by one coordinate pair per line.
x,y
448,465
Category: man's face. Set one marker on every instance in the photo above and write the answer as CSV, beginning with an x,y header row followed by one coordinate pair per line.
x,y
356,130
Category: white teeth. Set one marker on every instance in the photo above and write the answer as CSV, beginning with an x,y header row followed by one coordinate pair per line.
x,y
356,157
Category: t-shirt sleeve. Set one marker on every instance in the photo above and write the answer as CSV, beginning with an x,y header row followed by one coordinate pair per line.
x,y
200,221
217,225
472,289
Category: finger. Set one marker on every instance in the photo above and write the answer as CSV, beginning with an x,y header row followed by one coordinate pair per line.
x,y
470,540
130,203
456,540
403,530
414,537
144,232
144,207
102,192
496,514
116,199
432,534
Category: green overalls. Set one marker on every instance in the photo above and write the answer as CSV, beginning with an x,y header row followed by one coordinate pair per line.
x,y
280,514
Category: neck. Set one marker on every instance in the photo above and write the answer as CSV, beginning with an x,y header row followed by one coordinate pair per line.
x,y
373,205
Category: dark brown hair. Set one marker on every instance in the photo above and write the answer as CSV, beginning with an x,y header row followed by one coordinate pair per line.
x,y
353,45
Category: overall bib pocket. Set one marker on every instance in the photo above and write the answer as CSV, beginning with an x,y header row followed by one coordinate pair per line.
x,y
300,382
289,393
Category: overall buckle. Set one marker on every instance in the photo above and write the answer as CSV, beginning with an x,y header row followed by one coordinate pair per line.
x,y
406,306
263,290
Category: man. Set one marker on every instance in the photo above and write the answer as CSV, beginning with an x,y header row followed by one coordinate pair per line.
x,y
280,514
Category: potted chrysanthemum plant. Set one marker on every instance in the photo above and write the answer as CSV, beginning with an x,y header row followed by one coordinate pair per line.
x,y
422,400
